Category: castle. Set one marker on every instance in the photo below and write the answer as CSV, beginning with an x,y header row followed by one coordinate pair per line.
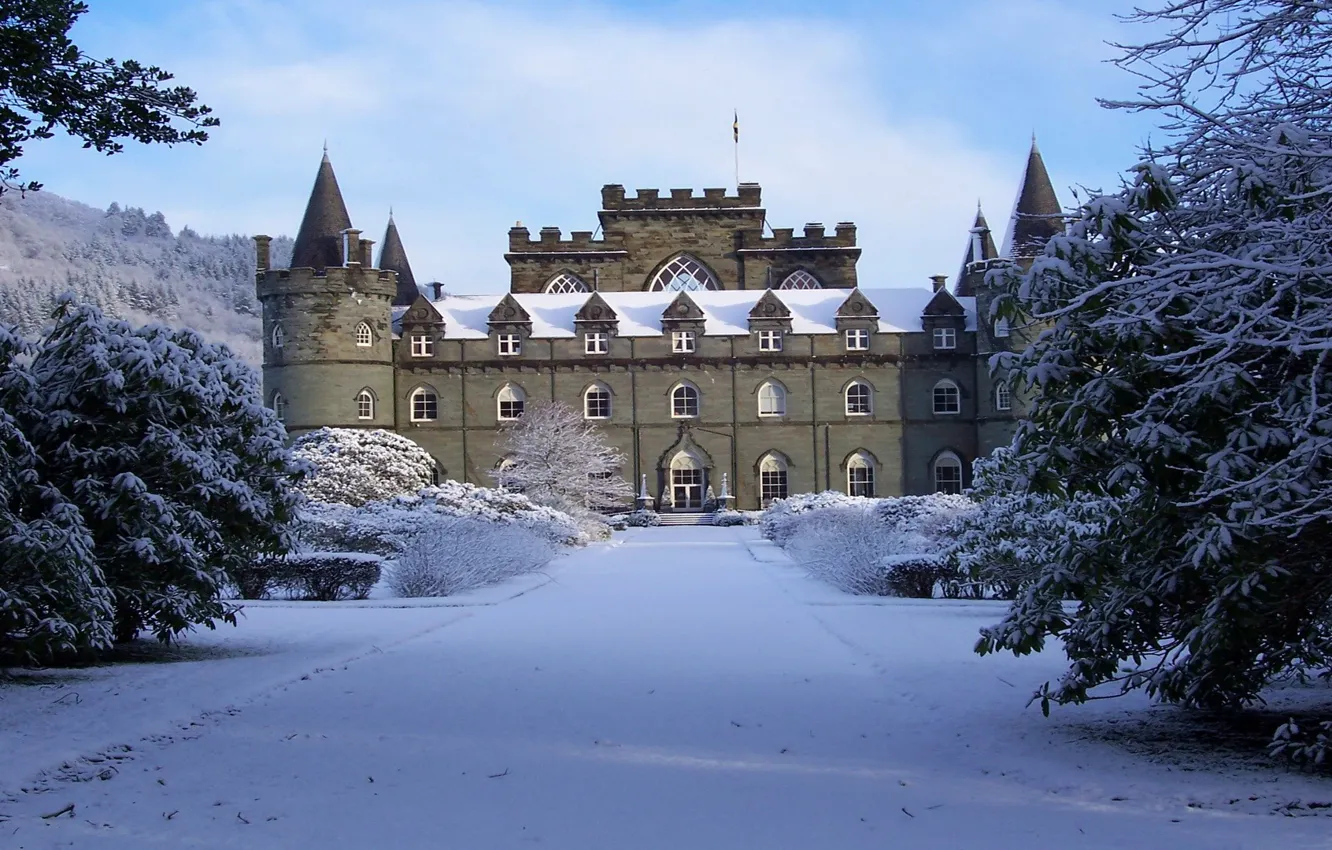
x,y
702,345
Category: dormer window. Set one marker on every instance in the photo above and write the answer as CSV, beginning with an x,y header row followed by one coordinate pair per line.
x,y
510,344
596,342
423,345
770,340
682,342
945,338
857,339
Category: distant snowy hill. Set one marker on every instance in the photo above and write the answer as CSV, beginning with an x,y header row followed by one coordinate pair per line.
x,y
130,264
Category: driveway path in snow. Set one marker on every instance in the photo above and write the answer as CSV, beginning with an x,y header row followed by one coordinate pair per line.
x,y
684,689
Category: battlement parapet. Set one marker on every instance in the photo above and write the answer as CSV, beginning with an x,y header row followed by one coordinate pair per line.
x,y
614,199
550,240
336,280
815,238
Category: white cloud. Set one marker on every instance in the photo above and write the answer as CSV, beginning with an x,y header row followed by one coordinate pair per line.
x,y
466,117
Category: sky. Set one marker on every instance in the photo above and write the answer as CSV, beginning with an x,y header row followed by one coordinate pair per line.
x,y
466,117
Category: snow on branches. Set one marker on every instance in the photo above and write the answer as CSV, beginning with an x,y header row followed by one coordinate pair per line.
x,y
149,455
353,466
555,457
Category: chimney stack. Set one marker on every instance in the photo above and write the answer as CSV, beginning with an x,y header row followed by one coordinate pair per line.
x,y
261,252
436,290
939,281
351,246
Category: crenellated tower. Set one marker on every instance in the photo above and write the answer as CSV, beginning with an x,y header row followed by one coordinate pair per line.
x,y
328,340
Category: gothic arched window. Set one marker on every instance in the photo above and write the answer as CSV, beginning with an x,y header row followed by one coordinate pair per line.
x,y
566,282
684,401
279,336
511,400
425,405
771,399
1003,397
800,279
859,399
860,475
683,274
364,336
280,407
597,402
947,473
365,404
772,478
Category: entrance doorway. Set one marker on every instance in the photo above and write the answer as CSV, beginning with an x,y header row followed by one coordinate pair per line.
x,y
687,483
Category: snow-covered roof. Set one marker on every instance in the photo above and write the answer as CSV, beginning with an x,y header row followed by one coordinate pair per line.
x,y
725,313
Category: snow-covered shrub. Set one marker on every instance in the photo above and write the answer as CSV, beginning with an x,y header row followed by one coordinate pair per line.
x,y
352,466
843,546
159,441
730,518
778,522
329,576
453,554
928,516
1310,745
642,519
917,576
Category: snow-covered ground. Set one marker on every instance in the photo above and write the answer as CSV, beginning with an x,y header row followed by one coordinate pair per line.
x,y
677,688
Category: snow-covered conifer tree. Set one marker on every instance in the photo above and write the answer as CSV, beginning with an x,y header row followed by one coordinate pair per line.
x,y
353,466
1181,368
556,458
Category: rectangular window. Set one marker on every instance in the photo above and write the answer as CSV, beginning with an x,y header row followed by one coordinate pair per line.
x,y
945,338
682,342
860,481
857,339
423,345
596,343
511,408
770,340
772,485
510,344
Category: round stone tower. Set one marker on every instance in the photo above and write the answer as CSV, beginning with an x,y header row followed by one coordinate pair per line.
x,y
328,340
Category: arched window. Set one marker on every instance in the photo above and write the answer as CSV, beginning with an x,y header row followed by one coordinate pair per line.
x,y
947,473
1003,397
566,282
800,279
859,399
279,406
771,399
772,478
279,336
597,402
365,404
947,399
511,400
425,405
860,475
683,274
684,402
364,336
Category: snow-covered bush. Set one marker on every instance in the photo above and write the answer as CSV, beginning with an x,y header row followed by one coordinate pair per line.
x,y
730,518
778,523
640,519
844,546
329,576
453,554
353,466
1310,745
159,442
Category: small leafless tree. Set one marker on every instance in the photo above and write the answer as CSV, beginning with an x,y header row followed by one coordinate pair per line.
x,y
556,458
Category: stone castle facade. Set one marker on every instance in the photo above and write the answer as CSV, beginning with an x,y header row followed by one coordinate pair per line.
x,y
702,345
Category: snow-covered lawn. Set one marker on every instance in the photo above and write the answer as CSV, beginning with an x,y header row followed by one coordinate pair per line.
x,y
677,688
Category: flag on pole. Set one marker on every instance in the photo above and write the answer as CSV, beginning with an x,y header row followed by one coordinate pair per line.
x,y
735,127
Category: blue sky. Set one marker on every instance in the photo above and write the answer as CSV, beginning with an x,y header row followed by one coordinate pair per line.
x,y
465,117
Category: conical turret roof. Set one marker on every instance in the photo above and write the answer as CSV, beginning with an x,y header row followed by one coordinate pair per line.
x,y
319,241
393,256
1036,215
969,277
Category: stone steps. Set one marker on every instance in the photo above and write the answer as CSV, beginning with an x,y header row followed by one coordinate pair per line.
x,y
686,518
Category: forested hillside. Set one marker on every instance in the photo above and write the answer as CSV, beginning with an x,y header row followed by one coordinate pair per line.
x,y
129,263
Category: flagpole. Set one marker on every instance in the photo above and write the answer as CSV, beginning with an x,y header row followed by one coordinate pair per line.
x,y
735,131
